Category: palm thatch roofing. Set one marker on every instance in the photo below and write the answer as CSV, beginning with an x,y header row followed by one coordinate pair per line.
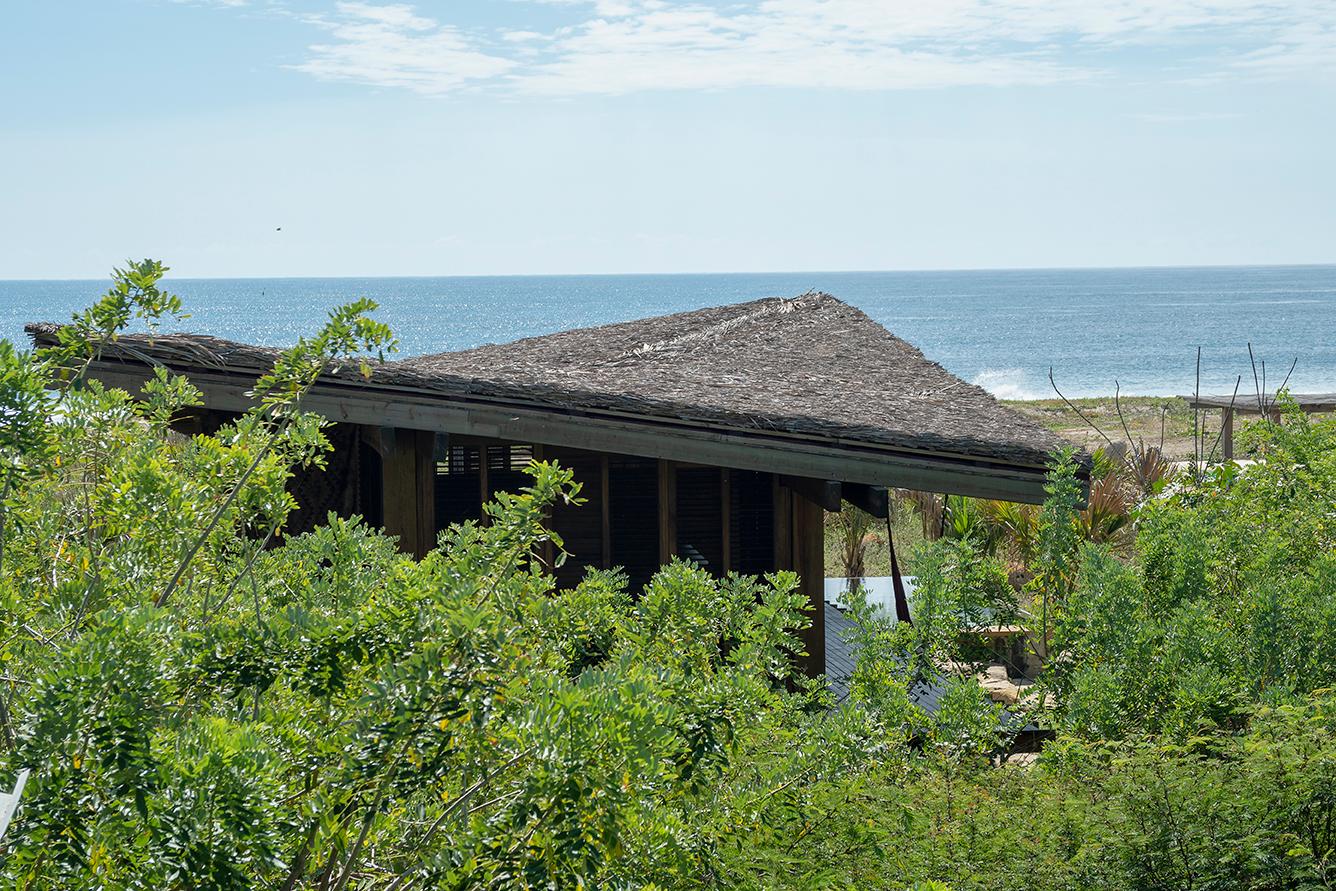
x,y
810,366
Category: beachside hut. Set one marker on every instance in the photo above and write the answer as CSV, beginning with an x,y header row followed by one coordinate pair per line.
x,y
721,434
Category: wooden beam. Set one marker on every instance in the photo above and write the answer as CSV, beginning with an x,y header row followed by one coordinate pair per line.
x,y
826,493
650,438
371,436
667,511
874,500
809,561
1227,433
1308,402
399,488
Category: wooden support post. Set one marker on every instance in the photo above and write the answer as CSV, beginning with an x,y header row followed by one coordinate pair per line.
x,y
409,502
1227,433
667,511
808,526
400,486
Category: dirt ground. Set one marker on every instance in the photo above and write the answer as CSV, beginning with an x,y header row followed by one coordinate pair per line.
x,y
1149,419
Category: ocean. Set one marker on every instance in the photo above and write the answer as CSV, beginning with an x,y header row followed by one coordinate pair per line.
x,y
1001,329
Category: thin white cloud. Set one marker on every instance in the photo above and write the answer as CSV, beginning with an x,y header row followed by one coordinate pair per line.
x,y
1309,47
624,46
392,46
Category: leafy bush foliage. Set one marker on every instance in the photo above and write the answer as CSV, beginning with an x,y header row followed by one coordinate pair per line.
x,y
1230,600
208,703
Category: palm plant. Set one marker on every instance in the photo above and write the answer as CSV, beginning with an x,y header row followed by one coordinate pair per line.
x,y
856,535
1149,470
966,519
1107,514
1015,525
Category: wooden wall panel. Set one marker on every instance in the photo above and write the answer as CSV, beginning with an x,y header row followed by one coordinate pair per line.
x,y
809,561
408,488
726,516
335,488
667,511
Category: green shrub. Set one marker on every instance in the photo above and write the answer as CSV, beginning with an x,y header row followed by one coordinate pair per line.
x,y
206,702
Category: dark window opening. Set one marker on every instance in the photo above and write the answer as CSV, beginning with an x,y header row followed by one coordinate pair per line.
x,y
458,483
633,517
700,517
371,494
505,468
580,526
752,522
334,488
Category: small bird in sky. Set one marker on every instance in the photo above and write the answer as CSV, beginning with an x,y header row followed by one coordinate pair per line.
x,y
278,229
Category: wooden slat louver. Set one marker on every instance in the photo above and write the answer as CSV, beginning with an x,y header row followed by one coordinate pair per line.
x,y
458,483
700,534
633,517
505,468
580,527
752,522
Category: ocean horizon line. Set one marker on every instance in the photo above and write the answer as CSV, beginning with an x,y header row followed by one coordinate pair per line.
x,y
1002,330
692,273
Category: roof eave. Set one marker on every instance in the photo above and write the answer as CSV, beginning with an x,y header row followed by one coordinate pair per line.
x,y
646,436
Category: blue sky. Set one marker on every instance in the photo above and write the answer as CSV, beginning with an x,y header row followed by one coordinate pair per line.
x,y
552,136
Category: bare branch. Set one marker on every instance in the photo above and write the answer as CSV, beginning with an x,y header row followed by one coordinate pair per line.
x,y
1285,383
1080,414
1218,435
1257,384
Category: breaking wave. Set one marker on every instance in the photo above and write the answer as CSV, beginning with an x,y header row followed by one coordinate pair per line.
x,y
1008,383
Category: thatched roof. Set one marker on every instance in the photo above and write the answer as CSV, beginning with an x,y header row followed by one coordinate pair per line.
x,y
809,365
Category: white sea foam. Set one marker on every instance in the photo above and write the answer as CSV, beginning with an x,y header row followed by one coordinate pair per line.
x,y
1007,383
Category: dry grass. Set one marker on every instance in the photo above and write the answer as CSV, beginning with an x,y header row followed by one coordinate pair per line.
x,y
1143,415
